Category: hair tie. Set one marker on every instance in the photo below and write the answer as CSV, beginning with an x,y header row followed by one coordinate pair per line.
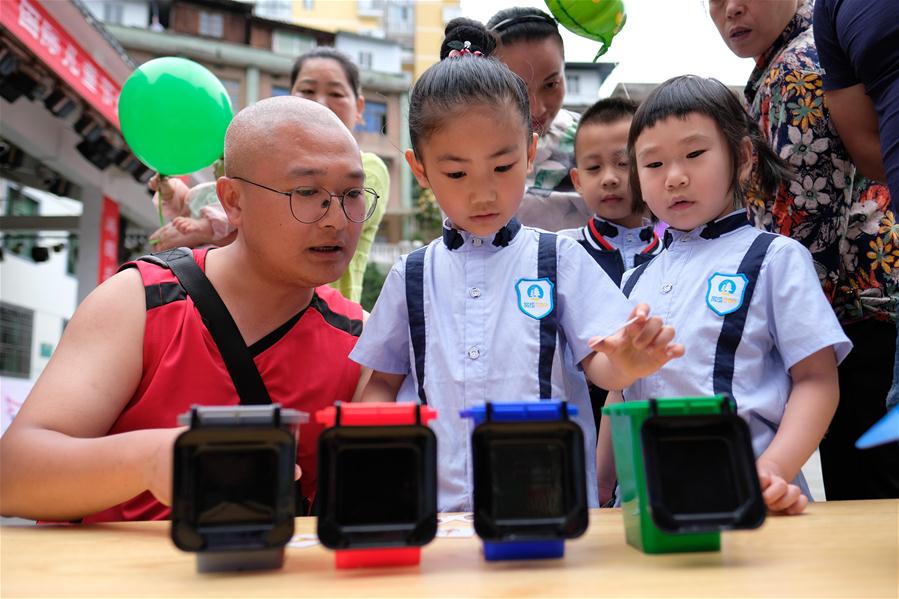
x,y
532,18
459,49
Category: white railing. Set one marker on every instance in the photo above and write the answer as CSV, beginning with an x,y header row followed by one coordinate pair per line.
x,y
387,254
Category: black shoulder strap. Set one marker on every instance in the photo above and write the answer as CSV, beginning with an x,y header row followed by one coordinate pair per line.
x,y
415,306
546,268
632,280
244,374
732,327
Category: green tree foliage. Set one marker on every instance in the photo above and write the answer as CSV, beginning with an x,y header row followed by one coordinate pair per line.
x,y
371,286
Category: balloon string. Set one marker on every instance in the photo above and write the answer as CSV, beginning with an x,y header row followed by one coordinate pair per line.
x,y
159,207
162,179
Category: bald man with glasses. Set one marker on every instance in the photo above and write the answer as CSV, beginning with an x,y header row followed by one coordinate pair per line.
x,y
94,439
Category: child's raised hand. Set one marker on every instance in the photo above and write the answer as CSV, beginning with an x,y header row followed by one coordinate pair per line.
x,y
781,497
640,347
172,192
189,226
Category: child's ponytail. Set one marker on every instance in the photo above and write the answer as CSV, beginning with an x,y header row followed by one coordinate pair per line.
x,y
466,77
461,30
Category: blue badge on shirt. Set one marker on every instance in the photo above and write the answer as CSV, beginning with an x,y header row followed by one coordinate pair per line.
x,y
535,297
725,294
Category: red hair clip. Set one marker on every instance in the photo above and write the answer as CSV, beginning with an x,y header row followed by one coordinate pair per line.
x,y
461,48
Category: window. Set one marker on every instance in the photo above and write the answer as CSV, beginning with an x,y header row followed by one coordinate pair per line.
x,y
573,83
374,118
365,58
15,340
212,24
113,12
233,88
290,43
280,90
308,4
400,18
369,8
18,204
274,9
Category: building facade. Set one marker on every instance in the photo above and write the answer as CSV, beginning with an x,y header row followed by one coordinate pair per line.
x,y
417,25
251,48
582,83
70,188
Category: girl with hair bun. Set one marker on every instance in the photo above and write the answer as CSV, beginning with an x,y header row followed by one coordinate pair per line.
x,y
493,310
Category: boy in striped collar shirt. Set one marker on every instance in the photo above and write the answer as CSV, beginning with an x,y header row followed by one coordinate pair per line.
x,y
619,236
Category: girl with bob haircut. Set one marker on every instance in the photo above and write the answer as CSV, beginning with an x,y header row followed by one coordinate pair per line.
x,y
747,304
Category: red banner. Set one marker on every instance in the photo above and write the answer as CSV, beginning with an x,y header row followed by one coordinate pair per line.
x,y
31,24
109,240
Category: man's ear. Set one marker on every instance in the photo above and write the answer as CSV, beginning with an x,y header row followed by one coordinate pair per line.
x,y
532,151
231,199
576,180
418,169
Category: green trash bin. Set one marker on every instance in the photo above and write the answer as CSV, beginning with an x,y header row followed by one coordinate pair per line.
x,y
686,471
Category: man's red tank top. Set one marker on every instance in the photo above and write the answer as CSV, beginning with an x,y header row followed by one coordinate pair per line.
x,y
304,363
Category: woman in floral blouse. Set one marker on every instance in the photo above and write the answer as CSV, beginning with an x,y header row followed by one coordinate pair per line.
x,y
841,217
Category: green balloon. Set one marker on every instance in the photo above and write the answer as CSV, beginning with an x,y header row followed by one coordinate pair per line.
x,y
174,113
599,20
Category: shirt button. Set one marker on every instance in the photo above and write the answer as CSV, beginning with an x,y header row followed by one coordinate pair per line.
x,y
474,292
477,241
667,287
474,353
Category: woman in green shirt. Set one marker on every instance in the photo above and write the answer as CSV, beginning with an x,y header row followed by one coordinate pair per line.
x,y
328,77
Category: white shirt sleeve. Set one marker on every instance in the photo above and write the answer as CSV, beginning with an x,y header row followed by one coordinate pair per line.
x,y
384,343
590,303
801,319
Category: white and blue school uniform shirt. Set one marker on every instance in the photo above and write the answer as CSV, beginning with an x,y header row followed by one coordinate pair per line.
x,y
747,305
614,247
503,318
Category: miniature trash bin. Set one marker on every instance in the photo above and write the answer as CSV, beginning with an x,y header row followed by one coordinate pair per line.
x,y
530,481
686,471
233,485
377,483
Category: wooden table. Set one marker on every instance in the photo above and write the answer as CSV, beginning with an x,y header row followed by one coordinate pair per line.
x,y
838,549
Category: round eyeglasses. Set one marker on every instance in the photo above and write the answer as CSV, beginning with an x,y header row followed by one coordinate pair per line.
x,y
310,204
